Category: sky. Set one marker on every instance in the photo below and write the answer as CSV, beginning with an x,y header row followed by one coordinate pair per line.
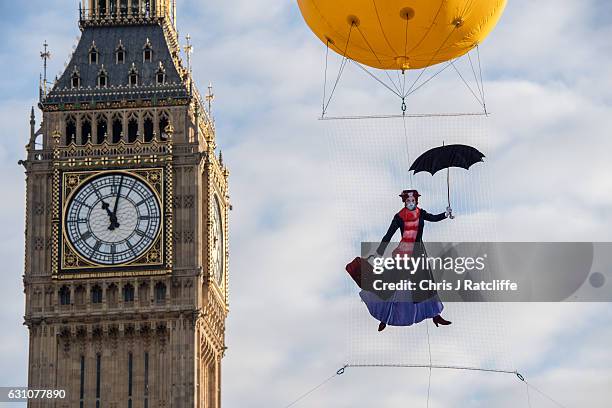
x,y
547,76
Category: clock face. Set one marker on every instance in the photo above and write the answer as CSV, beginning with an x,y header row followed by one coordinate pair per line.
x,y
113,219
218,247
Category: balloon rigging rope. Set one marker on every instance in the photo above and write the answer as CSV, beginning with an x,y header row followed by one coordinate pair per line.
x,y
405,56
430,61
342,66
467,85
401,92
376,78
410,175
548,397
528,397
407,115
475,77
484,102
325,77
315,388
436,366
429,79
431,366
379,61
440,71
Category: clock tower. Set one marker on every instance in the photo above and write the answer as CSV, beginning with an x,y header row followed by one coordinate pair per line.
x,y
126,221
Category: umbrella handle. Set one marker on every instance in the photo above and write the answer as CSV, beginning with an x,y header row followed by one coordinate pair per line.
x,y
448,186
451,216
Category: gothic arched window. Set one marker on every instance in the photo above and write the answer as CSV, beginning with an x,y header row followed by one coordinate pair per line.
x,y
85,130
102,8
71,130
128,293
103,78
160,75
147,54
123,8
64,295
75,79
102,131
133,76
160,292
147,8
163,124
96,294
113,8
120,53
132,129
93,54
117,129
135,8
148,128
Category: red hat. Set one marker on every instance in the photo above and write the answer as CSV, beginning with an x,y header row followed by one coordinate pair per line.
x,y
408,193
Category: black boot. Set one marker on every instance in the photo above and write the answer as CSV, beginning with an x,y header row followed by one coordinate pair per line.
x,y
438,320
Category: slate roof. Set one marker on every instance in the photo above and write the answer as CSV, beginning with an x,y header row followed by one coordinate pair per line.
x,y
133,38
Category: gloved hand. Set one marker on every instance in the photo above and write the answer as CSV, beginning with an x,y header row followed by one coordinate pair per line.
x,y
449,213
372,258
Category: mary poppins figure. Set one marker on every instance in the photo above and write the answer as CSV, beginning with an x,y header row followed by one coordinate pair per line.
x,y
408,307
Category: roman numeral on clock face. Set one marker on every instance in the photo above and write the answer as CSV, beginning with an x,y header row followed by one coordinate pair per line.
x,y
77,220
129,244
144,201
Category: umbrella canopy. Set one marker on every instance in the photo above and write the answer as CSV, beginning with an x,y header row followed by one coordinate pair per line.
x,y
444,157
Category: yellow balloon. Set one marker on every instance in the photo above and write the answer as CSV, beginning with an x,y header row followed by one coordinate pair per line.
x,y
401,34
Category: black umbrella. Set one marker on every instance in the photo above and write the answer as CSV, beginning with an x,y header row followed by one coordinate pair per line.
x,y
445,157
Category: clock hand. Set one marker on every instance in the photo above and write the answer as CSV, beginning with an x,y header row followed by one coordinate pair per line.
x,y
118,195
113,217
106,207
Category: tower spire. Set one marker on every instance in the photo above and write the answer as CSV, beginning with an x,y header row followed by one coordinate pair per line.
x,y
174,13
188,48
210,96
45,55
188,51
32,128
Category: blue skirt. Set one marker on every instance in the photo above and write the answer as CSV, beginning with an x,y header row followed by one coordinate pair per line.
x,y
400,310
